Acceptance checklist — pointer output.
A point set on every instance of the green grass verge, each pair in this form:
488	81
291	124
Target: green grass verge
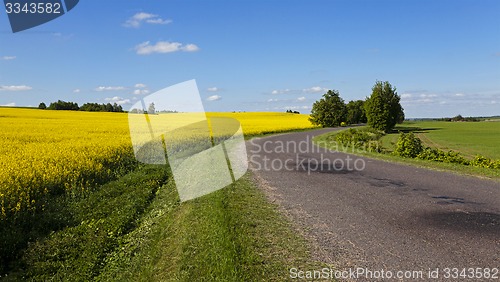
233	234
388	141
135	229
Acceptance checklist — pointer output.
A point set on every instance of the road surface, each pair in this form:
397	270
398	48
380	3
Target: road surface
377	215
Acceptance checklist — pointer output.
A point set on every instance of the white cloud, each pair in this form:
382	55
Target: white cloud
460	95
214	98
146	48
141	89
419	97
76	90
15	87
141	92
280	91
315	89
190	48
9	105
8	58
428	95
301	99
137	19
109	88
158	21
118	100
272	100
213	89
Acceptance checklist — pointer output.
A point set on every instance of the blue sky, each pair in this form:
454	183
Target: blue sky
442	56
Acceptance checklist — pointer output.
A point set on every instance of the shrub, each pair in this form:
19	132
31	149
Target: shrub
408	146
353	137
431	154
496	164
375	146
437	155
480	161
366	137
455	158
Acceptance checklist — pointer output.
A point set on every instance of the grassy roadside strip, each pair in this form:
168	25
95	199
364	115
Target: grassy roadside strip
328	140
135	229
233	234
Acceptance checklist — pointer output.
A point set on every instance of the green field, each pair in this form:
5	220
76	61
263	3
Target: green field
468	138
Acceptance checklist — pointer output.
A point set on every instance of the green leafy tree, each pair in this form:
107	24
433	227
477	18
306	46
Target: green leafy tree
42	106
383	109
330	111
356	112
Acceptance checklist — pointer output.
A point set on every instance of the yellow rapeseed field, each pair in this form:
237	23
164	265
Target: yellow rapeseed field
44	152
255	123
50	152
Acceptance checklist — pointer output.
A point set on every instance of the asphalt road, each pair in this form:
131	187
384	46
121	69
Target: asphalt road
365	213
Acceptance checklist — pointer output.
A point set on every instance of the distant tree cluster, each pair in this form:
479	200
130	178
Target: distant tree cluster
381	111
152	110
136	111
461	118
95	107
89	107
292	112
63	105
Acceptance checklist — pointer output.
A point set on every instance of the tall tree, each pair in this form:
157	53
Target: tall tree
329	111
383	109
356	112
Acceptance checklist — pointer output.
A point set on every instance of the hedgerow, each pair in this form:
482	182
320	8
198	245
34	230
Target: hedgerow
410	146
366	138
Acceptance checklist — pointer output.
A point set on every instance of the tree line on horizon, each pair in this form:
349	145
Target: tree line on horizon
88	107
381	110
